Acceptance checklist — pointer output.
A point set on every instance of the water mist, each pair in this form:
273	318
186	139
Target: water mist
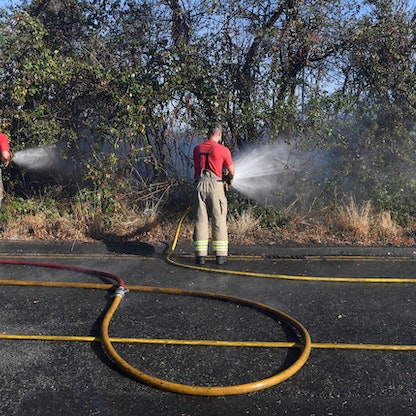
37	158
270	173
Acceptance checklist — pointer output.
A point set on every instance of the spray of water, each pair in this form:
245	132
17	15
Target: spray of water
38	158
268	172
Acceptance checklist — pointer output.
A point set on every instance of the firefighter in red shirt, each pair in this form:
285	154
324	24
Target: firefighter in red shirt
210	158
5	156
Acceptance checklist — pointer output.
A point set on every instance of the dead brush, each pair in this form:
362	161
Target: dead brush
355	219
362	224
386	230
85	220
44	226
244	225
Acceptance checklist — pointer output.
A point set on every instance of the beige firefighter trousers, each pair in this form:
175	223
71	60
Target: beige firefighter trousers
1	189
210	202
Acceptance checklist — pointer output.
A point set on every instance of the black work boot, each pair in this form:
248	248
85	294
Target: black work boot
200	260
221	260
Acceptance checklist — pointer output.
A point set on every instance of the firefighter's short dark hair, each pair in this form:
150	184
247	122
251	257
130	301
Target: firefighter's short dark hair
214	129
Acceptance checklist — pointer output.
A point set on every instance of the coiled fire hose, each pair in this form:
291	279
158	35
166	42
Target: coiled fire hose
119	294
120	291
209	390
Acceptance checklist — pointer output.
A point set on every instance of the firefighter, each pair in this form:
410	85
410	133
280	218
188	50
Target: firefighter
5	156
211	159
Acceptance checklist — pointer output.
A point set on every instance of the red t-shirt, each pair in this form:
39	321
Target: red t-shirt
213	156
4	143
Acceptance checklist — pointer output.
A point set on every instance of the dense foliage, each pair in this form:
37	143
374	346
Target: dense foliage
124	88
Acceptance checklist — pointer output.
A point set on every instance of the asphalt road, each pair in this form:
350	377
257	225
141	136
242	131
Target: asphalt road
77	378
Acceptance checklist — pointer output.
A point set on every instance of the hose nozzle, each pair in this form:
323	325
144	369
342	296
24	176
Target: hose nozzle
3	165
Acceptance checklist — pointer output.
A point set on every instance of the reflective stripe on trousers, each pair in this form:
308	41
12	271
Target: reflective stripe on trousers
210	202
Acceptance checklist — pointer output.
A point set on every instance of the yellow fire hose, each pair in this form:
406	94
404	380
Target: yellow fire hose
107	342
350	279
208	390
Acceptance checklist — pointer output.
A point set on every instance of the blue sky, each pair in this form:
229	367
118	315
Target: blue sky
5	3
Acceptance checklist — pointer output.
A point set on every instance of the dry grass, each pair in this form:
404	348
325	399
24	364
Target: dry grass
41	226
360	224
386	230
351	224
355	219
245	224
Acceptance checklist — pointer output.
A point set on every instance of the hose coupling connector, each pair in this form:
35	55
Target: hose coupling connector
121	292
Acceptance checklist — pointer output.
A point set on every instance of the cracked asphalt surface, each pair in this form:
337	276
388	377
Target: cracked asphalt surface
77	378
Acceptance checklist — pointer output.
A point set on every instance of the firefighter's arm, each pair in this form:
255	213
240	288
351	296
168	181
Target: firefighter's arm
229	177
5	157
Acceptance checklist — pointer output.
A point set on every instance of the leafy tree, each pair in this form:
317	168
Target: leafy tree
63	90
127	85
379	70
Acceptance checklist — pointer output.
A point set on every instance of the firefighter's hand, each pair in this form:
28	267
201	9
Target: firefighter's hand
3	165
228	179
5	158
